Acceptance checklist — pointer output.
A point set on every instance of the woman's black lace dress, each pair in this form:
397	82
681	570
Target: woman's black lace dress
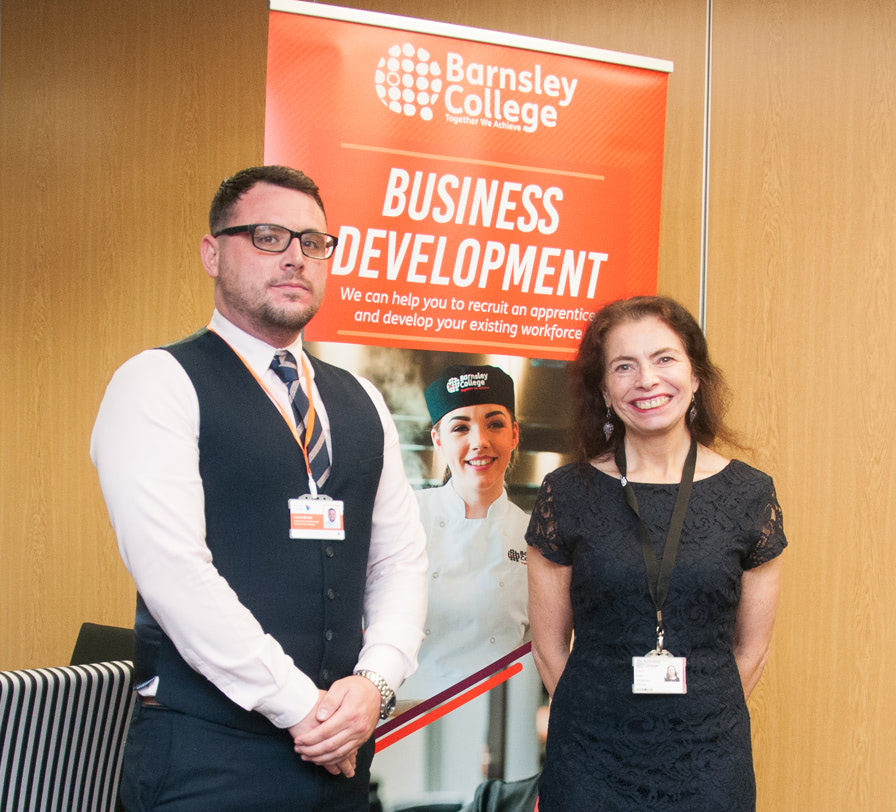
607	748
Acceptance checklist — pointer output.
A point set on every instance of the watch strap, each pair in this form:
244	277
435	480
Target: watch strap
387	695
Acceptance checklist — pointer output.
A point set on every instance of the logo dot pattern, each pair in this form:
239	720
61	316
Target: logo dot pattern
408	82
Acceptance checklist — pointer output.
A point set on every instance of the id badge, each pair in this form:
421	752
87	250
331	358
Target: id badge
316	517
659	674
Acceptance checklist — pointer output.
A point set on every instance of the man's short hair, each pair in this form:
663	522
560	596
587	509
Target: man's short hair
234	187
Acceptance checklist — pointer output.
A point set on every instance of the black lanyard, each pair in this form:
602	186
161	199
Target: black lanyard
659	574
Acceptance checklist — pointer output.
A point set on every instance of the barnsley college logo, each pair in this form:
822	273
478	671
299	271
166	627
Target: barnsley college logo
411	83
467	381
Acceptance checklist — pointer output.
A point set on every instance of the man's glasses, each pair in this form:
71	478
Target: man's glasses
276	239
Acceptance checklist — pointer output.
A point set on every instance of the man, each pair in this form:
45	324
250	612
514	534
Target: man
264	655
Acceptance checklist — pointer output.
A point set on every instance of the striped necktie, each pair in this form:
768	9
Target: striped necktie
285	368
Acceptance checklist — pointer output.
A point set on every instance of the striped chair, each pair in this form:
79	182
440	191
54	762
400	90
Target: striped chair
62	734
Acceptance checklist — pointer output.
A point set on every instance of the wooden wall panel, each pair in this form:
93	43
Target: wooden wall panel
802	261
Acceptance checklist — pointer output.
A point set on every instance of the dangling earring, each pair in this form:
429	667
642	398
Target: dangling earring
608	425
692	412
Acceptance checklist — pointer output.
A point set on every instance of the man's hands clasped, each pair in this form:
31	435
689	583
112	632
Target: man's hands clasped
338	725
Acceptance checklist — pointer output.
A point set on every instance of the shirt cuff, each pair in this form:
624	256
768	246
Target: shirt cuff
292	703
387	661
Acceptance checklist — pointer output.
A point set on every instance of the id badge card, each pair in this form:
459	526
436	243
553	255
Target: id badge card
659	674
316	517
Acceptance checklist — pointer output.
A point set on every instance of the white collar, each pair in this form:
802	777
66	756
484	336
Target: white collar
457	504
256	353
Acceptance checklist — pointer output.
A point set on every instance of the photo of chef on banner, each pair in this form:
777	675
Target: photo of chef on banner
478	600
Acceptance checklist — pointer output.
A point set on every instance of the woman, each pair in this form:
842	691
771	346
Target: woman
649	408
475	535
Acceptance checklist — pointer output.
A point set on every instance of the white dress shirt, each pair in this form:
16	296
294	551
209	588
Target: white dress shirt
145	448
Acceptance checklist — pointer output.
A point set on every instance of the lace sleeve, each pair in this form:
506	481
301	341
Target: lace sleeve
770	541
543	532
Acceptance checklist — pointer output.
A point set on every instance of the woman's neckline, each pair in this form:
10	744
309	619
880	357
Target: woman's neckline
706	478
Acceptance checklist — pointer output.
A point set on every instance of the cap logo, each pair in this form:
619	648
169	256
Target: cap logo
461	383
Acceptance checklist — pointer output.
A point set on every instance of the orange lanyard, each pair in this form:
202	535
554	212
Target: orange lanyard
309	422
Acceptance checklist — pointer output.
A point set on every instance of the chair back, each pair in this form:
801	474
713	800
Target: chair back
97	643
62	735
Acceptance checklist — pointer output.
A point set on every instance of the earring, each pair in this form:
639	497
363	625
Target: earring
608	425
692	412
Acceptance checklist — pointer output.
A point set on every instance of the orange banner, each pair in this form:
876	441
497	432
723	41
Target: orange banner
489	191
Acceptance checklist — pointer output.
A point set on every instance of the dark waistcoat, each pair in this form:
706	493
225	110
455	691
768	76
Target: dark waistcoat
307	594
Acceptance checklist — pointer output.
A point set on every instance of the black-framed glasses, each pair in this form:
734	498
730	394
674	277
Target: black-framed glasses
276	239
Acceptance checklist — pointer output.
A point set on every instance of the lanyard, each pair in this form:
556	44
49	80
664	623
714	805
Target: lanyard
309	421
659	574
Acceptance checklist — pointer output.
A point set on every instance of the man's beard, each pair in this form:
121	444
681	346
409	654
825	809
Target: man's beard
284	319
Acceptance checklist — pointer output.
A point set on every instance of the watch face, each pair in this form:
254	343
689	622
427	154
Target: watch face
388	707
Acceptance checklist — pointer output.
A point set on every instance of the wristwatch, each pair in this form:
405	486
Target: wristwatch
387	705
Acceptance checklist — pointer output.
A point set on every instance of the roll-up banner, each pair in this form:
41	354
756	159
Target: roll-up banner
489	191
